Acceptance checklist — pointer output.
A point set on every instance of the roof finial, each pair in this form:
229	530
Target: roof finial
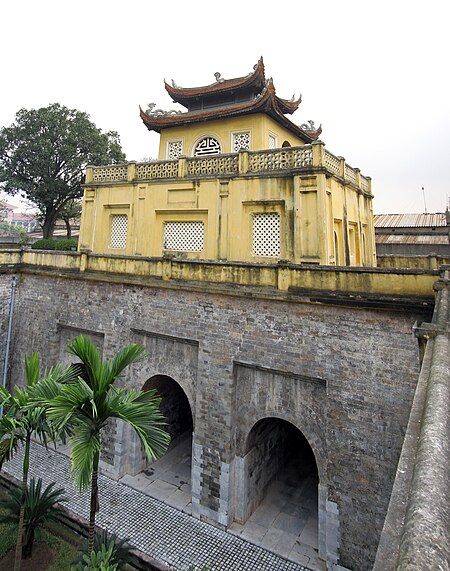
308	126
218	77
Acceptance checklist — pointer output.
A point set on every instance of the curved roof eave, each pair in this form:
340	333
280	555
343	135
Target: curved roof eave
267	103
183	94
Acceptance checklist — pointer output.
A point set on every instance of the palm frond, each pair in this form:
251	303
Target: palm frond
6	398
69	403
85	350
32	365
85	443
8	447
141	411
130	354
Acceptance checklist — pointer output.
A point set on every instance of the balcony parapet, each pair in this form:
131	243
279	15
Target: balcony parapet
368	287
271	161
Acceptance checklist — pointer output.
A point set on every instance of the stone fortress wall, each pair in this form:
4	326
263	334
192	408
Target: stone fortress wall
344	376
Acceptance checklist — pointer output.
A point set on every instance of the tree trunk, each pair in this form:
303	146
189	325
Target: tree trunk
26	463
68	228
49	223
94	503
28	547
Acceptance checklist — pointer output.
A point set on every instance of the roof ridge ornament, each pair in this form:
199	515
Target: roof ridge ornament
152	112
218	77
308	126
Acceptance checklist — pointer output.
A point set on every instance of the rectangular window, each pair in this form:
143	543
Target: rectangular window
174	150
119	228
267	235
272	142
184	236
241	142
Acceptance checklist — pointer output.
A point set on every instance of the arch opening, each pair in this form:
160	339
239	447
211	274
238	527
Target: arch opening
170	476
279	483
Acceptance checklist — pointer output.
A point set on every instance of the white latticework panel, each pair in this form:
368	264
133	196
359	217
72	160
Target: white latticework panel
174	149
241	142
119	227
184	236
207	146
272	142
266	235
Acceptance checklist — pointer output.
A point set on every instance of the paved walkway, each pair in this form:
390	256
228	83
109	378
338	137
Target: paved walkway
167	535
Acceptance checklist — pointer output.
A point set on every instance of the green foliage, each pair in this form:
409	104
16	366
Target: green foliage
105	543
51	244
87	405
40	507
98	561
64	549
8	532
18	231
44	154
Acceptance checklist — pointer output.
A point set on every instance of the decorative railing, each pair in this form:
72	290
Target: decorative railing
280	159
157	169
332	163
223	164
110	173
350	175
271	160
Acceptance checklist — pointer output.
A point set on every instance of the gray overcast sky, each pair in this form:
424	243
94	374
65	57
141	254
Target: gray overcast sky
374	73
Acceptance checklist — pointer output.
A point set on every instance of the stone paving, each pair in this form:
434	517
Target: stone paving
175	539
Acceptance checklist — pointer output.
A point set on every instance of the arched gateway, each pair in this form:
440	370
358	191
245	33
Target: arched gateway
170	477
279	481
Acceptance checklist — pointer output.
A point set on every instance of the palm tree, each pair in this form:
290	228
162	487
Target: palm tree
23	419
40	507
86	405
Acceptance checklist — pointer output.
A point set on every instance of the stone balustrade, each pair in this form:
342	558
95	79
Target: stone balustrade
294	159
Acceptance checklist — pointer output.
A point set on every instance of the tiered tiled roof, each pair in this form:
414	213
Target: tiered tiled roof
228	98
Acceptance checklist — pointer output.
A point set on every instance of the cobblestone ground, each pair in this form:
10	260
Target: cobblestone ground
169	536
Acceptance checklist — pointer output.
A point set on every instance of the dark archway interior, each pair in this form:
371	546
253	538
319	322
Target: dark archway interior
277	451
280	442
174	406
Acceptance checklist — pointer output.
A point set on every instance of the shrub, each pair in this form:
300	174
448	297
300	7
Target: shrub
50	244
108	551
40	507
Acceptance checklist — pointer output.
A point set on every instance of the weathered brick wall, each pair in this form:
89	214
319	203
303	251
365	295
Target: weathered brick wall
343	376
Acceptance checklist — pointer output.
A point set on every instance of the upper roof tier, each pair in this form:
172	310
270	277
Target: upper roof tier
228	98
254	81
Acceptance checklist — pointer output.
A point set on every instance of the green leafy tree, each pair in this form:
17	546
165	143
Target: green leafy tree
86	406
41	506
24	418
44	154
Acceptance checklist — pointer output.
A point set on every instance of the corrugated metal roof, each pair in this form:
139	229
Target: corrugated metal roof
412	239
410	220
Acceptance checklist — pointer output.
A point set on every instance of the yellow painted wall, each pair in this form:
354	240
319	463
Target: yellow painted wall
260	127
309	209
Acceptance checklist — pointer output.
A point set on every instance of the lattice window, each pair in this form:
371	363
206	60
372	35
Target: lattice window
184	236
241	142
119	227
207	146
174	150
272	142
266	235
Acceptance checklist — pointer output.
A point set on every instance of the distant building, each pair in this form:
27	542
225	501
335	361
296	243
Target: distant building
412	234
6	211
